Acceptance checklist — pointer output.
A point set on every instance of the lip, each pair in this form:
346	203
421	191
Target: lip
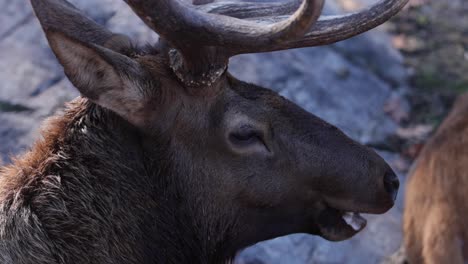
337	225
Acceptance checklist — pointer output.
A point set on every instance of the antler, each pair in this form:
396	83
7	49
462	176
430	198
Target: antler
248	10
184	26
327	30
205	41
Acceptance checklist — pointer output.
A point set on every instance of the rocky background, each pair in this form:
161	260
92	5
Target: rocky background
363	85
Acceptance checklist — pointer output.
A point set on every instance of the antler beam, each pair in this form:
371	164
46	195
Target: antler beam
327	30
246	10
205	36
184	26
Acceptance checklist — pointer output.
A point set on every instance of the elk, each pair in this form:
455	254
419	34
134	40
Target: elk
434	220
167	158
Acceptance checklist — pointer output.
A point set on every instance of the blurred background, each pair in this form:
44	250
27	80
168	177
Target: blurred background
389	88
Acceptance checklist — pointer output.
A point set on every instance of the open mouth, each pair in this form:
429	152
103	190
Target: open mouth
336	225
355	220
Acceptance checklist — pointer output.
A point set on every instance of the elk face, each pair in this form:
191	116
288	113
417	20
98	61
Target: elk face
238	151
281	169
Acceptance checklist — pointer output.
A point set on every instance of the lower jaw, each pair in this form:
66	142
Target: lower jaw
335	225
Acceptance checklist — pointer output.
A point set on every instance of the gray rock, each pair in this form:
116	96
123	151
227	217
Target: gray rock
24	72
14	15
325	83
126	22
347	84
13	134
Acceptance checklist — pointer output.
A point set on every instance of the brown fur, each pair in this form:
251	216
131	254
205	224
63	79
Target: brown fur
28	169
436	203
44	203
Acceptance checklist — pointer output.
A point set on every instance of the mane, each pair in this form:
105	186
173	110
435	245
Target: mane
28	168
64	195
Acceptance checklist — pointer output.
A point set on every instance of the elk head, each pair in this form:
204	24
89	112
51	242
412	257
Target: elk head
238	156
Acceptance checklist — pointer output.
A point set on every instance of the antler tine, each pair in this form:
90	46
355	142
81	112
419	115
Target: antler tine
327	30
183	26
246	10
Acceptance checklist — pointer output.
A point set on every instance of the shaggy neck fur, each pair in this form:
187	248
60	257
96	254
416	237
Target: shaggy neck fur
92	192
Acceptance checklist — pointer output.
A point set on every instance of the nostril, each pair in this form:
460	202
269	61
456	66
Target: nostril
391	183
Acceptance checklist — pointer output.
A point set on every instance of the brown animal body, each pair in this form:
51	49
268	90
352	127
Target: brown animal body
166	158
436	202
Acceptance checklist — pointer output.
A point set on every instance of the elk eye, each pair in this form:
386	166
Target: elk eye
245	137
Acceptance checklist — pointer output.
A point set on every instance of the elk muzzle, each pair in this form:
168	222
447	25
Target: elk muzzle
346	177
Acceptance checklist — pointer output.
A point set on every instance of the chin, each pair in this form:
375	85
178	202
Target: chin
336	225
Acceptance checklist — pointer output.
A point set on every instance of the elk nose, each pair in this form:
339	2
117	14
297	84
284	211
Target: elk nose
391	183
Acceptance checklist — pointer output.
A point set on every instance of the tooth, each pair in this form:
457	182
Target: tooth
353	220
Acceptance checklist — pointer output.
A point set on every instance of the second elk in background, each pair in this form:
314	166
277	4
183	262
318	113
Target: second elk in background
436	203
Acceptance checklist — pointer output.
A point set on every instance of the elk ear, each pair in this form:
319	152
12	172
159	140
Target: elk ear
89	55
106	77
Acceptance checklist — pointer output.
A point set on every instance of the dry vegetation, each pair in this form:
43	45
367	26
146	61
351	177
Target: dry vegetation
433	36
